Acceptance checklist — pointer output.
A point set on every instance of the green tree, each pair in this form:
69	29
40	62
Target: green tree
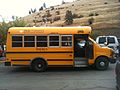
41	8
68	17
90	21
63	2
5	26
44	5
3	31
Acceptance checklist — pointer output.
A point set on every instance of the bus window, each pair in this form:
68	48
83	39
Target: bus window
54	41
29	41
41	41
66	40
16	41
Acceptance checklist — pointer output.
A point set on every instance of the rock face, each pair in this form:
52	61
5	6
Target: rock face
105	15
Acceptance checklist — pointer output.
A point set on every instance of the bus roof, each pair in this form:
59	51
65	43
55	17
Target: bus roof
49	30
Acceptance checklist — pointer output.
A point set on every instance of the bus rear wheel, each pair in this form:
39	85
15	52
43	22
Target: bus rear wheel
39	66
102	63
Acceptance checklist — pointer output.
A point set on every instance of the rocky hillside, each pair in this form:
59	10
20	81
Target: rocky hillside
105	15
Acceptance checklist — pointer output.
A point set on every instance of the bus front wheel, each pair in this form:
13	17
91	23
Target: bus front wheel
39	66
102	63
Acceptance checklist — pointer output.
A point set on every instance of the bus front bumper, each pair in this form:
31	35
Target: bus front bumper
112	60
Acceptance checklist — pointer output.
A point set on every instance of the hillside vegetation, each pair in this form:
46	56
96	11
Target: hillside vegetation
105	15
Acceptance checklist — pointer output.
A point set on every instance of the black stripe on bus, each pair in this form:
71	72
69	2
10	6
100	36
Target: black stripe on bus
20	60
60	65
19	65
41	52
48	65
59	60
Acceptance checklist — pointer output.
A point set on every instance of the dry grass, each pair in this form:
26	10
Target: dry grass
108	14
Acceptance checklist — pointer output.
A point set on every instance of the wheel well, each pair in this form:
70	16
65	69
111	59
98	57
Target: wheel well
40	59
101	56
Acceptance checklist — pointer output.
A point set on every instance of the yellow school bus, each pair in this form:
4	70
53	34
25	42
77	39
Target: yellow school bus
42	47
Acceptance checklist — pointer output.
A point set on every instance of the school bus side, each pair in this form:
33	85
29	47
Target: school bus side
57	48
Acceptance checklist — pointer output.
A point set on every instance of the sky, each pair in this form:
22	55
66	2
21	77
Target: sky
20	8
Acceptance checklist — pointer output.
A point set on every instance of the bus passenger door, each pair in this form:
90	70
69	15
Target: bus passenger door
80	46
90	49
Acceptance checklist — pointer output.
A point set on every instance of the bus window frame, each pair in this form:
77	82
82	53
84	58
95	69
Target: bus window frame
41	41
67	41
17	41
29	41
53	41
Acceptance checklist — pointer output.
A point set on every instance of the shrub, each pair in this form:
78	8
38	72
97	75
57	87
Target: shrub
91	14
57	12
80	16
96	14
105	3
52	7
41	8
48	15
5	26
68	17
77	16
90	21
63	2
57	18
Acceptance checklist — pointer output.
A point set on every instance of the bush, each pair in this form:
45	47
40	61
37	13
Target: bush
96	14
52	7
90	21
105	3
77	16
68	17
5	26
91	14
57	12
80	16
57	18
41	8
72	4
48	13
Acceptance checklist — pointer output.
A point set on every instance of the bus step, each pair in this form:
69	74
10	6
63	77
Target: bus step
80	62
80	65
80	59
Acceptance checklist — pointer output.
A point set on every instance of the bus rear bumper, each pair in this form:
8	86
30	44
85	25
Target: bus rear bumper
7	63
112	60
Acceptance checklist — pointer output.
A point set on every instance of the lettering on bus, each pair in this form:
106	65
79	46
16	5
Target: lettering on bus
80	31
42	49
34	31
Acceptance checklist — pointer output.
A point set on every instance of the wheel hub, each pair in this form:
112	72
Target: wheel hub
102	63
39	65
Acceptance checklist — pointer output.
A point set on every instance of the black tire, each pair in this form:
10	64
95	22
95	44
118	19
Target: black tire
102	63
117	88
39	66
